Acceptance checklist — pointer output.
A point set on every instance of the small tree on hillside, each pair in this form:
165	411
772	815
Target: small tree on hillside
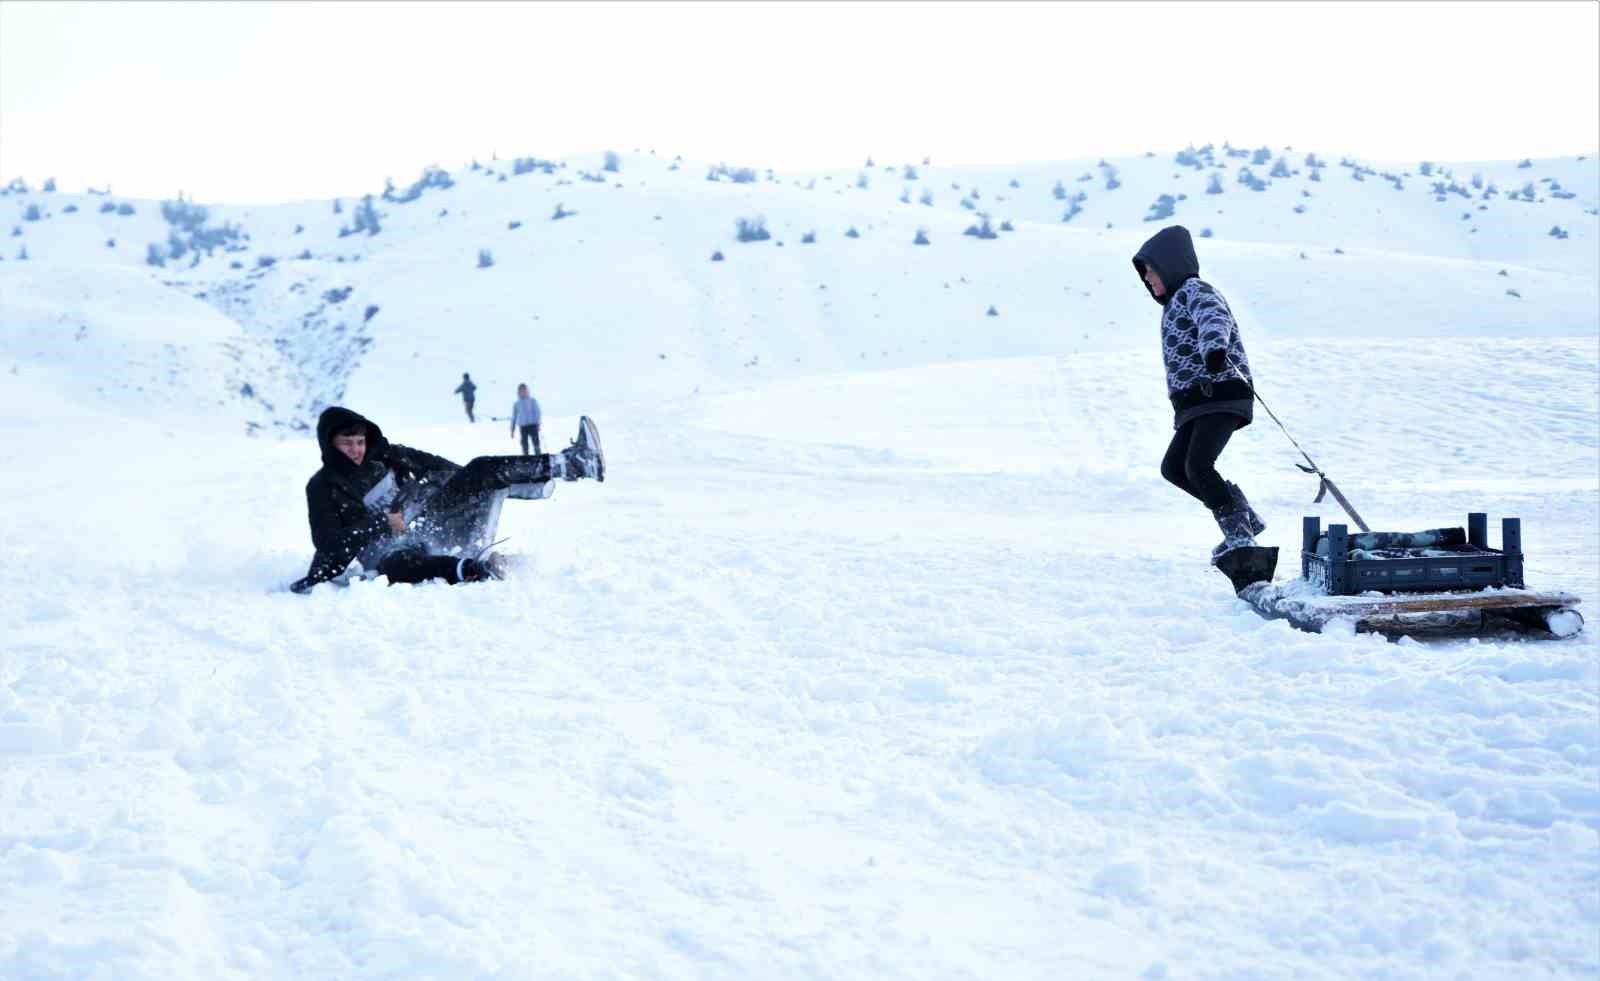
752	229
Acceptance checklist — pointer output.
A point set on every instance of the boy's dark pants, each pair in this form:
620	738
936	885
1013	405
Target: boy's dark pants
414	564
530	432
1191	460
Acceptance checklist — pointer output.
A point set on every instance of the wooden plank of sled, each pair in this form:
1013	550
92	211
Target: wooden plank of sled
1312	611
1431	602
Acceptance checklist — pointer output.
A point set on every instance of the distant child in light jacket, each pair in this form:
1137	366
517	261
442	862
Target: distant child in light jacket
1208	381
525	417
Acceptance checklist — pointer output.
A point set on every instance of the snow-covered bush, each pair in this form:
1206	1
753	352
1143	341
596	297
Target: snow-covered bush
154	255
22	254
1059	191
485	258
852	233
1525	164
1205	233
1015	182
366	219
613	162
752	229
862	181
265	262
922	237
909	173
1005	226
716	256
1162	208
981	230
70	209
738	175
905	195
1214	184
1190	157
809	238
184	215
1074	206
49	185
1250	180
31	213
1316	175
927	197
561	212
107	207
431	177
1556	231
527	165
1280	168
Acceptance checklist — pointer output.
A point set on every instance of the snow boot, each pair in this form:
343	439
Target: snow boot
584	457
1235	525
1237	500
483	566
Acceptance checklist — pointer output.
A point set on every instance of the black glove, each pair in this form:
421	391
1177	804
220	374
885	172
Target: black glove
1216	360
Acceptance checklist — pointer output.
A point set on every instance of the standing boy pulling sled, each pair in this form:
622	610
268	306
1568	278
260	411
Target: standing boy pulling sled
1209	383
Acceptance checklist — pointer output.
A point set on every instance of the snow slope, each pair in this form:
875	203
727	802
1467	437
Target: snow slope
896	661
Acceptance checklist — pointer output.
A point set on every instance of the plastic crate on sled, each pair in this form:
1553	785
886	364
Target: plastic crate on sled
1441	559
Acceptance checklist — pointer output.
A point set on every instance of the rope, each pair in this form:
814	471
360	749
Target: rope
1327	486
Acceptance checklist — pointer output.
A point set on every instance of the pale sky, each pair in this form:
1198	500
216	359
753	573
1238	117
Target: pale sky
261	102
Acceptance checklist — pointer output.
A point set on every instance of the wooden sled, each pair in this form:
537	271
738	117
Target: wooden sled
1307	608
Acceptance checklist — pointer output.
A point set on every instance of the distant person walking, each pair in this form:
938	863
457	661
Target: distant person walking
468	392
525	417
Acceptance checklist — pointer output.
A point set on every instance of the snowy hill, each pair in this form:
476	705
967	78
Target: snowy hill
884	651
621	295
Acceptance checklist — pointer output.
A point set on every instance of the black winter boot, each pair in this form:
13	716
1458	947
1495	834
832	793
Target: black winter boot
584	457
1235	525
1237	500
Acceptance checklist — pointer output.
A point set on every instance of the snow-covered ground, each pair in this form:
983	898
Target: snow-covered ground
898	660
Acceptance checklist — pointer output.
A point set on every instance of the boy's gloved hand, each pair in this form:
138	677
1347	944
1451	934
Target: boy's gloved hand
1216	360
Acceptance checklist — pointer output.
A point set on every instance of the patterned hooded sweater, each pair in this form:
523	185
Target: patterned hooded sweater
1195	321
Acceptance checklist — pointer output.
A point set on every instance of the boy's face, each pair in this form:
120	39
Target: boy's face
354	447
522	390
1154	280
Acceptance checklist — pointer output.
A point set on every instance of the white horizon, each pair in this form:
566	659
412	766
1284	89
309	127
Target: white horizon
272	103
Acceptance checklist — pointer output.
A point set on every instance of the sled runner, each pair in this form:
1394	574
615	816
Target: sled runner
1445	580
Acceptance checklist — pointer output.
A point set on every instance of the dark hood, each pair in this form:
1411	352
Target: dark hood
1171	253
335	418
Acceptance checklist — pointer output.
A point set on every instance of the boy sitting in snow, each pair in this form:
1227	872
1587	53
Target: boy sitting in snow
1208	381
412	516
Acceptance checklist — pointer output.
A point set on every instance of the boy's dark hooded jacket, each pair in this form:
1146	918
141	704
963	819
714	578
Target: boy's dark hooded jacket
1196	326
342	526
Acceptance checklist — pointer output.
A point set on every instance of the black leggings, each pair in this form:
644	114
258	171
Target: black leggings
1191	460
530	433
